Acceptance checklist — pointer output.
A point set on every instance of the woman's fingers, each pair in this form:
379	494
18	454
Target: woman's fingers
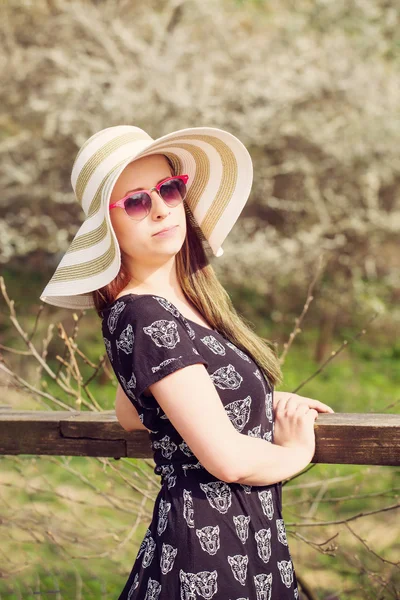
319	406
302	409
314	413
288	403
292	404
281	406
312	403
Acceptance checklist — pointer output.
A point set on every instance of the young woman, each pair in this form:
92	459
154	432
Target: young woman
190	370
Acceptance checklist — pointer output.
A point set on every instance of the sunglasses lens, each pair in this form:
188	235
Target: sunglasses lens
137	206
173	191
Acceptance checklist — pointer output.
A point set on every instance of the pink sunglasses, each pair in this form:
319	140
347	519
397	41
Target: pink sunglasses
137	204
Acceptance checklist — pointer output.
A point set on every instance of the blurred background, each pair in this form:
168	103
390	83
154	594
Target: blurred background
312	88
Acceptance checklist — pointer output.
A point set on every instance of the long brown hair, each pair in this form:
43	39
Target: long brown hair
201	287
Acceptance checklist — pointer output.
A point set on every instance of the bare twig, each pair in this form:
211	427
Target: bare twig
364	543
334	353
330	550
299	319
352	518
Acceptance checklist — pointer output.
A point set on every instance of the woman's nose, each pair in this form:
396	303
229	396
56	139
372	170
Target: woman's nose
158	205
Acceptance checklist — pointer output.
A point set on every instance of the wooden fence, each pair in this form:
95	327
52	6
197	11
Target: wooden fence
341	438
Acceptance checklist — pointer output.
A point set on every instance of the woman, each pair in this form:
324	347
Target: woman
190	370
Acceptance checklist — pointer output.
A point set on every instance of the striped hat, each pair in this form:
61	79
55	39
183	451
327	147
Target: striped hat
220	177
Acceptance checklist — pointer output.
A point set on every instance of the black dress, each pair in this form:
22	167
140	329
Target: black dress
207	538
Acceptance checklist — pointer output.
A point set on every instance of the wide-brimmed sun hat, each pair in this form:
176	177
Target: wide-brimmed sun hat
220	178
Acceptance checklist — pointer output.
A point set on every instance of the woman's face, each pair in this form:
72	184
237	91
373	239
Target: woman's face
136	238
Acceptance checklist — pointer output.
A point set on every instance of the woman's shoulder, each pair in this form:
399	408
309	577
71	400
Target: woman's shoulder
137	308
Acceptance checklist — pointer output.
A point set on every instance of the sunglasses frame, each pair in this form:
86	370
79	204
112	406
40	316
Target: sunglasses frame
121	203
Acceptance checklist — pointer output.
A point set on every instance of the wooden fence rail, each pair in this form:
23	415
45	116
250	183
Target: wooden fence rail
341	438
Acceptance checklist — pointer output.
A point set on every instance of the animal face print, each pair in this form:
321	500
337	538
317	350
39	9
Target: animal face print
148	551
241	523
239	412
263	583
203	583
263	539
167	305
107	344
188	585
268	406
206	583
266	503
280	525
153	590
246	487
166	472
167	446
218	494
132	382
163	363
125	340
144	543
238	564
258	374
286	571
171	481
255	432
163	510
238	352
213	344
114	314
188	466
168	555
209	538
128	386
227	378
188	508
163	333
185	449
133	586
190	330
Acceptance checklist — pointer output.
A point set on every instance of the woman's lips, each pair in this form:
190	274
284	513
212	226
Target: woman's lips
166	233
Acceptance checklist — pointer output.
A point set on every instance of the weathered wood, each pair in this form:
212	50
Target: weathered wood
341	438
357	439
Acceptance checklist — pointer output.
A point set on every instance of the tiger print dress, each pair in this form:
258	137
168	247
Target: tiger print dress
208	538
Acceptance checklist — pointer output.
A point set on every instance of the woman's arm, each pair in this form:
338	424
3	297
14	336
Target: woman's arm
126	413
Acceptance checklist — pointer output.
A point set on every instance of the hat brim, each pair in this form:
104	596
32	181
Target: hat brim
220	177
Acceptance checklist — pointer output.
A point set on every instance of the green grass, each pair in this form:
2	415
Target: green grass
359	379
63	582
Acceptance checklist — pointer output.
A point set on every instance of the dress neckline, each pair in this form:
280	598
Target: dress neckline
186	318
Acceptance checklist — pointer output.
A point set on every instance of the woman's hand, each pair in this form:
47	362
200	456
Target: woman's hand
294	425
296	399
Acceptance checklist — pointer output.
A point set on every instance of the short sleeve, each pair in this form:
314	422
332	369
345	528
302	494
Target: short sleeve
146	338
